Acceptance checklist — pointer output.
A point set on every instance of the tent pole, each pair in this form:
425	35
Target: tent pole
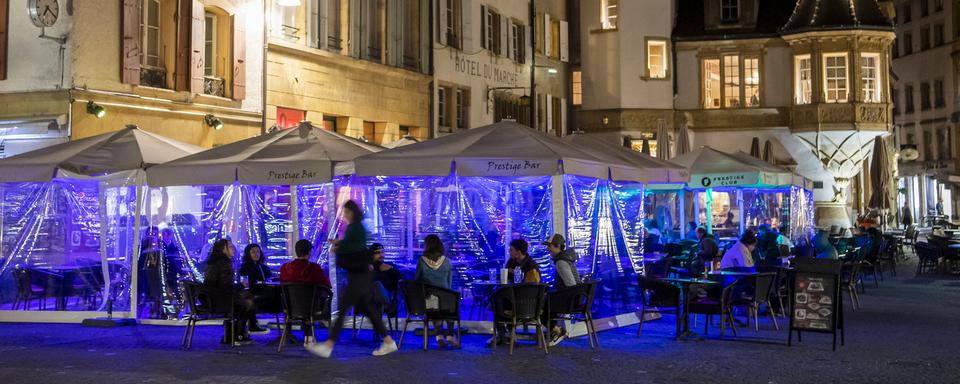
331	214
104	258
743	221
559	208
709	214
508	225
294	219
136	247
683	216
410	224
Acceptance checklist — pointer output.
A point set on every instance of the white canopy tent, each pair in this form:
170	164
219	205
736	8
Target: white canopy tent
644	168
73	212
404	141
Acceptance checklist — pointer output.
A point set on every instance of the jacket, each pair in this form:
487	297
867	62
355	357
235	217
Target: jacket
438	273
218	274
303	271
565	263
708	248
255	272
737	256
529	268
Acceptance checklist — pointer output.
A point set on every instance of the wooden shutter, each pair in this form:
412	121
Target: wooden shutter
483	27
196	47
317	24
354	39
564	42
442	21
538	33
466	25
548	114
239	58
4	24
504	33
130	42
564	126
509	38
547	38
181	70
394	33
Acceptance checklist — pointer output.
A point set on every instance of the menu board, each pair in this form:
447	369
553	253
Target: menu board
814	302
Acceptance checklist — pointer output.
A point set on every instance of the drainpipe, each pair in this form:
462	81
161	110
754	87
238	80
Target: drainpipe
263	68
533	65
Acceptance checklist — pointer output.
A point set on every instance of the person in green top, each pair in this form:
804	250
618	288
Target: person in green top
352	255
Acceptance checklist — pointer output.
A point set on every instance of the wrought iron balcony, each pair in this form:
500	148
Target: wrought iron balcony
213	86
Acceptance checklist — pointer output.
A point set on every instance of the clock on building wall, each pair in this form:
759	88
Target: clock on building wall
43	13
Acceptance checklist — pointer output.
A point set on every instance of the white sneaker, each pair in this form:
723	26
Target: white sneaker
452	342
308	341
385	349
320	350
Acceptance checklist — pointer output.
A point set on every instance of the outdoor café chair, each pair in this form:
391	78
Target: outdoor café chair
928	257
27	290
848	279
520	304
387	307
574	303
302	303
204	304
658	296
716	303
415	298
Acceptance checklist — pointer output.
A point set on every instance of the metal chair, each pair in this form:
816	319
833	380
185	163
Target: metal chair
716	303
520	304
205	304
663	296
575	304
415	296
302	303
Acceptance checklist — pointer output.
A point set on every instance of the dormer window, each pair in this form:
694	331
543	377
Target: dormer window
729	11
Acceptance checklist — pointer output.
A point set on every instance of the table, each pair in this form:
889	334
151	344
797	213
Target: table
732	273
684	287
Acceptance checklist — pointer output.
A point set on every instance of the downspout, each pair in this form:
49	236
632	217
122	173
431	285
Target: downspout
533	66
432	72
263	69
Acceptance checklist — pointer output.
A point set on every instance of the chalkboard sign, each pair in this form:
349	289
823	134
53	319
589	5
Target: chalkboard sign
815	300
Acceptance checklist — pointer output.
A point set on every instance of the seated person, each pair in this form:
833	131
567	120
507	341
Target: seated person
218	280
822	247
387	275
740	254
691	231
707	251
784	238
254	266
767	248
301	270
519	258
435	269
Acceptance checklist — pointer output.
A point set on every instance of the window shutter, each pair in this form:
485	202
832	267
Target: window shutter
483	27
130	57
564	41
355	14
239	58
538	33
563	117
181	71
547	40
442	21
509	46
523	45
549	113
504	41
318	23
4	24
196	60
393	33
466	25
426	42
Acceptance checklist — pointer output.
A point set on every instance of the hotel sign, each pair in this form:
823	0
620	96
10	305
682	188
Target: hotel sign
501	74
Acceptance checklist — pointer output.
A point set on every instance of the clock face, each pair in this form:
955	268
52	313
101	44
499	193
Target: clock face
43	13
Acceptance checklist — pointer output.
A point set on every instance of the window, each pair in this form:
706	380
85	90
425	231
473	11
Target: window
285	21
924	7
835	79
608	14
518	42
938	99
907	43
451	28
332	16
908	99
210	45
731	81
925	96
907	12
491	31
711	83
896	102
943	143
150	34
729	11
410	18
371	30
577	88
657	59
751	81
803	79
463	105
924	37
938	5
937	35
869	77
442	113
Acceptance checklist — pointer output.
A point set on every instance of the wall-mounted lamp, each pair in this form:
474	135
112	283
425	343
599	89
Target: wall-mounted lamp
550	70
213	122
96	109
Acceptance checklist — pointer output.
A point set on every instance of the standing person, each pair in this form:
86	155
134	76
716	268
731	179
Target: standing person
353	256
519	258
218	278
740	254
435	269
906	216
565	264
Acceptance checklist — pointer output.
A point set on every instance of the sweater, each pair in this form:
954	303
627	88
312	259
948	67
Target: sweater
354	240
565	263
737	256
303	271
438	273
255	272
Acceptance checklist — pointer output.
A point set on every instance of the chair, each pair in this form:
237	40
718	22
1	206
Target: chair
889	254
764	283
27	290
415	298
574	303
388	307
928	257
716	303
90	286
665	297
779	288
520	304
268	299
206	304
302	303
848	280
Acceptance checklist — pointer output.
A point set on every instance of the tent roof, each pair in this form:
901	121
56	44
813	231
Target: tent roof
277	158
784	176
502	149
710	168
128	149
404	141
644	168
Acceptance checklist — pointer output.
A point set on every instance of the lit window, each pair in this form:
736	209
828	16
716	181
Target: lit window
150	33
729	10
210	45
869	77
804	84
751	81
657	59
835	80
608	14
577	88
285	21
731	81
711	83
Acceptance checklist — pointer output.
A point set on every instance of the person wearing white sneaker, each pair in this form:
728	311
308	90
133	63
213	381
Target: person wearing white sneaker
353	256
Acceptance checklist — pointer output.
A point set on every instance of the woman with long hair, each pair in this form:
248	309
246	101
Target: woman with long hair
435	269
254	265
353	256
218	279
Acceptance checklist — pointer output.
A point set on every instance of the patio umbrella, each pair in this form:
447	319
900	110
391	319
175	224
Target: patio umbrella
406	140
768	152
880	176
645	148
683	141
755	147
663	140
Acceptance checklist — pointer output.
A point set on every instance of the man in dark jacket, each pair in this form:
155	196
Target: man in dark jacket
565	264
767	248
708	249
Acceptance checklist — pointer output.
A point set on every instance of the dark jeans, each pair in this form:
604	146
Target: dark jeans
358	295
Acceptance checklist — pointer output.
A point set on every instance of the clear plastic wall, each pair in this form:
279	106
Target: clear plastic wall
766	206
724	210
66	245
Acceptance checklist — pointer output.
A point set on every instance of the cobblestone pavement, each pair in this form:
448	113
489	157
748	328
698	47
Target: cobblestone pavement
907	332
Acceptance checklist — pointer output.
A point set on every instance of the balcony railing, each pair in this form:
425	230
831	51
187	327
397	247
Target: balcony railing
213	86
